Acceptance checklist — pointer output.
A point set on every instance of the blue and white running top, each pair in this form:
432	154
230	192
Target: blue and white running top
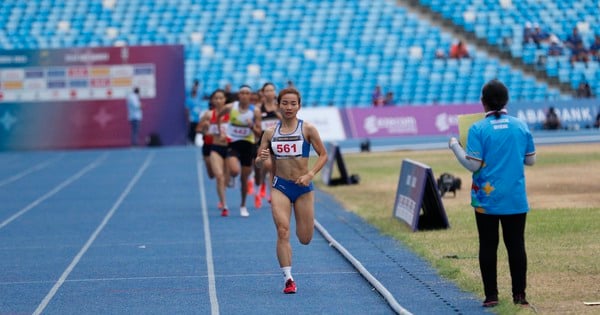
291	145
502	145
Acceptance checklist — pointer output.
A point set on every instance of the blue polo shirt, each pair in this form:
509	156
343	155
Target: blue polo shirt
502	144
194	107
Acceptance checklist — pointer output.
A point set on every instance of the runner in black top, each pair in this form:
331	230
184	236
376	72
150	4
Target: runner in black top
270	117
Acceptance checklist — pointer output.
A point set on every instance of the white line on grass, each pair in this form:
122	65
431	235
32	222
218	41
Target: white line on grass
210	268
30	170
93	237
58	188
363	271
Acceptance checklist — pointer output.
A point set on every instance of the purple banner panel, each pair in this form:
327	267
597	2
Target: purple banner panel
442	120
406	121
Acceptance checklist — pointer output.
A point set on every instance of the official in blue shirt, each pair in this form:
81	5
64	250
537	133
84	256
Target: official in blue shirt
498	147
193	105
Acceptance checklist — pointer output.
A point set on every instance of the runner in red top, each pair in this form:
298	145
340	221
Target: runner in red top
216	135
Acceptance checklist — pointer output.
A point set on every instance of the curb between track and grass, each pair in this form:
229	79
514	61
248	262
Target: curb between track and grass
363	271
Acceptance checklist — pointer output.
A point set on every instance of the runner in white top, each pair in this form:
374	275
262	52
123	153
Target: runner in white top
244	123
287	146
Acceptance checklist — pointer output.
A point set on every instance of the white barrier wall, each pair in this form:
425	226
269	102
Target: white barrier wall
327	120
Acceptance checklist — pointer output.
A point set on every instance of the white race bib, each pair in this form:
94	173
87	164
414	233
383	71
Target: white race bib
287	148
239	132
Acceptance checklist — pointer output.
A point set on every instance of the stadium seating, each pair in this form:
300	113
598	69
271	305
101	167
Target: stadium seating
495	20
335	51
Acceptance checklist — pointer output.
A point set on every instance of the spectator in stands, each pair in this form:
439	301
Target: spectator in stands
555	48
540	36
459	50
597	122
134	114
595	48
552	121
528	33
579	53
573	39
377	97
583	90
389	99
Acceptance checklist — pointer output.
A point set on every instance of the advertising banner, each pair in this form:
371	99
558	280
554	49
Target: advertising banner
327	120
75	98
443	119
573	114
405	121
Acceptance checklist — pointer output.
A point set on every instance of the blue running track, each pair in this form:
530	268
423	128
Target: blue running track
137	231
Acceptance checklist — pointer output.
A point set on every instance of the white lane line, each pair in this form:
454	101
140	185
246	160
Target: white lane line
93	237
210	268
239	275
58	188
363	271
30	170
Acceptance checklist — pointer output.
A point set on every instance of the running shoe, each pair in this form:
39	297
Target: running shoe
250	186
231	182
257	201
290	287
224	212
244	212
490	301
519	299
263	190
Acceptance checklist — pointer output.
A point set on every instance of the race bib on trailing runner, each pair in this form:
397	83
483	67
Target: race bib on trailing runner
213	129
240	123
239	132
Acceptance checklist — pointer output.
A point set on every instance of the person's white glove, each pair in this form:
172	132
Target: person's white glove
199	140
453	142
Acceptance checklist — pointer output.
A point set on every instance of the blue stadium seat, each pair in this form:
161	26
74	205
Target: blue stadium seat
327	47
482	19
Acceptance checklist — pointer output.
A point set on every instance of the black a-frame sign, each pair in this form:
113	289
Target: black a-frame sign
417	190
335	155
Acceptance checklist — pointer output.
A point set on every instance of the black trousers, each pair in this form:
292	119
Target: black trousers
513	231
192	131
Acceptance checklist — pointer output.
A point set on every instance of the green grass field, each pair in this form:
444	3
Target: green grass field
563	242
